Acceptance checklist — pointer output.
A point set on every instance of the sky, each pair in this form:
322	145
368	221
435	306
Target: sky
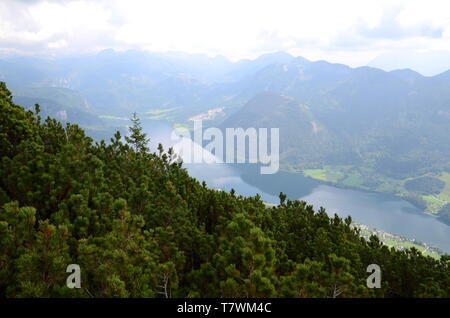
353	32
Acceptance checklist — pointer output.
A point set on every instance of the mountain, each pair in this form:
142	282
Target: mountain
361	127
137	225
66	105
394	122
407	75
302	136
372	113
377	129
120	83
245	68
428	63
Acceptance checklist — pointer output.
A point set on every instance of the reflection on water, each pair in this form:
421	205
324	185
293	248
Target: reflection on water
382	211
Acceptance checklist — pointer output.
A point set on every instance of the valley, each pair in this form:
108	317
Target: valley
356	128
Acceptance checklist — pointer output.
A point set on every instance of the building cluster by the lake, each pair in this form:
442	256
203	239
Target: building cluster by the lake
396	241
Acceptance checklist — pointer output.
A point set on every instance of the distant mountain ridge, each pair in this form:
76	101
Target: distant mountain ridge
365	114
361	106
119	83
430	63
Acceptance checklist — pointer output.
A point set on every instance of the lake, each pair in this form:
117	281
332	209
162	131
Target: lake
382	211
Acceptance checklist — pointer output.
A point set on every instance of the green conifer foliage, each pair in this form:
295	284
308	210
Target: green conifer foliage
139	226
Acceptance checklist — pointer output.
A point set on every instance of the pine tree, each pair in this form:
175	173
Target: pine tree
282	197
137	138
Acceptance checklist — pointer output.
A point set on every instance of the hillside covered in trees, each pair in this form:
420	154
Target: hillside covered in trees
139	226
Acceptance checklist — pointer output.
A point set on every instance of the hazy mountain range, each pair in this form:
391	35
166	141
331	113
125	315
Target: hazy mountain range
430	63
375	127
356	112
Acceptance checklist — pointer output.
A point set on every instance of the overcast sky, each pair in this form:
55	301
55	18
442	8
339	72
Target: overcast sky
350	32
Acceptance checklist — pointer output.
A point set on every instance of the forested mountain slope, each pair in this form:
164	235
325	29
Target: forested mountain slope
139	226
364	128
393	122
65	105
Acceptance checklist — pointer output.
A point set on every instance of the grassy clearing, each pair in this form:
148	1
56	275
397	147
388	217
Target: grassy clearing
319	174
161	111
185	126
353	180
345	175
445	193
337	173
433	202
159	117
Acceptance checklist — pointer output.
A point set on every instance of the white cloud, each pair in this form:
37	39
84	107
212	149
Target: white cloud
350	31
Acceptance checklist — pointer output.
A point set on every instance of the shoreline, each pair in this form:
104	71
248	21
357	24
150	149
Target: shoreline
437	250
399	242
347	187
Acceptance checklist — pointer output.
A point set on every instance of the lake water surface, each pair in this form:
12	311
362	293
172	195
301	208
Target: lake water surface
382	211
